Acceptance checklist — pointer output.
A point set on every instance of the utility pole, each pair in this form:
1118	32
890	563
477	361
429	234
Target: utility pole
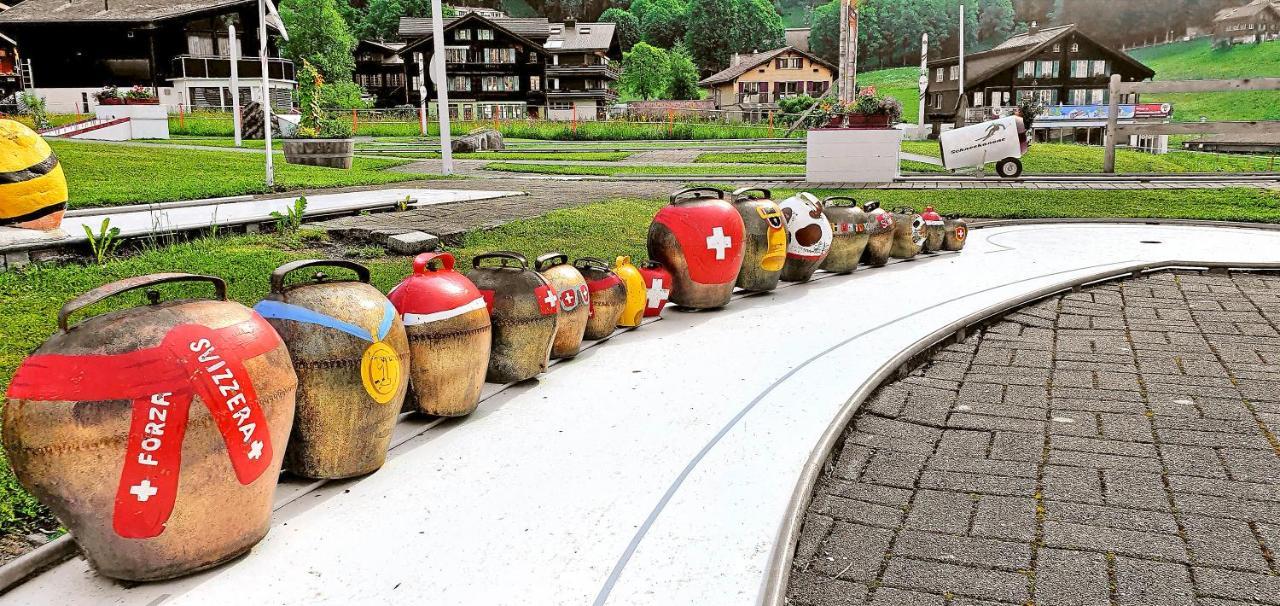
924	75
848	81
235	81
442	87
962	53
266	91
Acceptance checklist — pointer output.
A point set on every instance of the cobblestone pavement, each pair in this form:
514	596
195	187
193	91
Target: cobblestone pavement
1115	446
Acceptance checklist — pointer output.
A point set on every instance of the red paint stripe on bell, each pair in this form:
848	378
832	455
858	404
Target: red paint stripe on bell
604	283
192	359
487	295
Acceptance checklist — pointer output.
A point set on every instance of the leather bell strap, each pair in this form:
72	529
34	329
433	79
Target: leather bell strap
161	381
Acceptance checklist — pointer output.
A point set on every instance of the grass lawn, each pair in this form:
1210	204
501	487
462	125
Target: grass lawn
1057	158
1199	60
30	297
903	83
694	170
101	174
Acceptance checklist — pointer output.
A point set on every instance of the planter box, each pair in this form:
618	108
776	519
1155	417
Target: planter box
853	155
330	153
861	121
141	101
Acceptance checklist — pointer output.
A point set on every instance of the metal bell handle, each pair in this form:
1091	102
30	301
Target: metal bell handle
678	196
592	263
651	264
741	193
422	263
128	284
870	206
905	210
504	256
277	276
829	199
550	259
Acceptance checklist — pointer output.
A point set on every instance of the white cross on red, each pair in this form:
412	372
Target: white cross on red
143	491
255	450
719	242
657	294
550	299
569	299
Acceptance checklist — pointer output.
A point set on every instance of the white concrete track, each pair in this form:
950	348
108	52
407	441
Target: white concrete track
654	469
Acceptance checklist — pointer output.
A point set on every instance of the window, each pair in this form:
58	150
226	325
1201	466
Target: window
533	58
790	88
498	55
940	75
1079	69
1047	69
484	34
1100	67
560	105
462	34
1027	69
937	101
955	72
200	45
977	99
455	54
459	83
1057	48
790	63
1098	96
535	82
500	83
395	79
553	83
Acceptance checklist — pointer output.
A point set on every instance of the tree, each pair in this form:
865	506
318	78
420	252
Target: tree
628	27
380	19
684	75
710	31
757	26
663	23
646	71
824	32
318	33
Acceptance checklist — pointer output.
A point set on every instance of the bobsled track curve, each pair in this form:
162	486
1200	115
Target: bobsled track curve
670	465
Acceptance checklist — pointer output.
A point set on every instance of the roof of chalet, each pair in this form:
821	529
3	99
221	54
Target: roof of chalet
108	11
1248	10
412	28
498	24
580	37
981	66
747	63
390	47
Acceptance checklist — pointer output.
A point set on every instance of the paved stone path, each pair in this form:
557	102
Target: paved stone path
1116	446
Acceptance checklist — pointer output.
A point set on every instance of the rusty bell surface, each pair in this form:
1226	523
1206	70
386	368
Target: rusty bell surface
935	229
523	308
957	232
351	352
699	239
575	302
881	231
637	293
765	239
447	323
810	237
608	297
155	434
909	233
850	236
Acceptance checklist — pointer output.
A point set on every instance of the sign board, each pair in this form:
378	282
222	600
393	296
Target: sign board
983	143
1088	113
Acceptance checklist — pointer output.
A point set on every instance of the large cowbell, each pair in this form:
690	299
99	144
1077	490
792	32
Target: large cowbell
810	237
449	332
909	233
351	352
575	302
698	238
524	308
155	434
935	230
765	240
957	233
849	229
608	297
881	231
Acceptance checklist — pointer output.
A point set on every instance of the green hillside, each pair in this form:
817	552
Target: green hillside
1198	60
900	82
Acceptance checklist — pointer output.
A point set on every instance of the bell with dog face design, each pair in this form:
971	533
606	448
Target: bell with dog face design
765	239
699	239
810	237
850	236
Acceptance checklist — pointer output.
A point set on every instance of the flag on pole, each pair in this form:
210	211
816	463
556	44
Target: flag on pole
273	19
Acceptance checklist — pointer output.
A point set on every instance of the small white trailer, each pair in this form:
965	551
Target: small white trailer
1001	141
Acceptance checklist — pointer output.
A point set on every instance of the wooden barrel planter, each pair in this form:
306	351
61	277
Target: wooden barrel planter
330	153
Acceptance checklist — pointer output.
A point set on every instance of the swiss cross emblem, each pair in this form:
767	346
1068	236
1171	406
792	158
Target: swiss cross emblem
962	232
657	295
719	242
884	221
569	300
548	300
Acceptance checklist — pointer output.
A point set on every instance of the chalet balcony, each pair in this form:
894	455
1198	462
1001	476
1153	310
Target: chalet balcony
596	70
192	66
605	94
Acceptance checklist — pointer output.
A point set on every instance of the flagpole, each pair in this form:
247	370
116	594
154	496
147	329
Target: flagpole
266	92
442	87
235	81
924	75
